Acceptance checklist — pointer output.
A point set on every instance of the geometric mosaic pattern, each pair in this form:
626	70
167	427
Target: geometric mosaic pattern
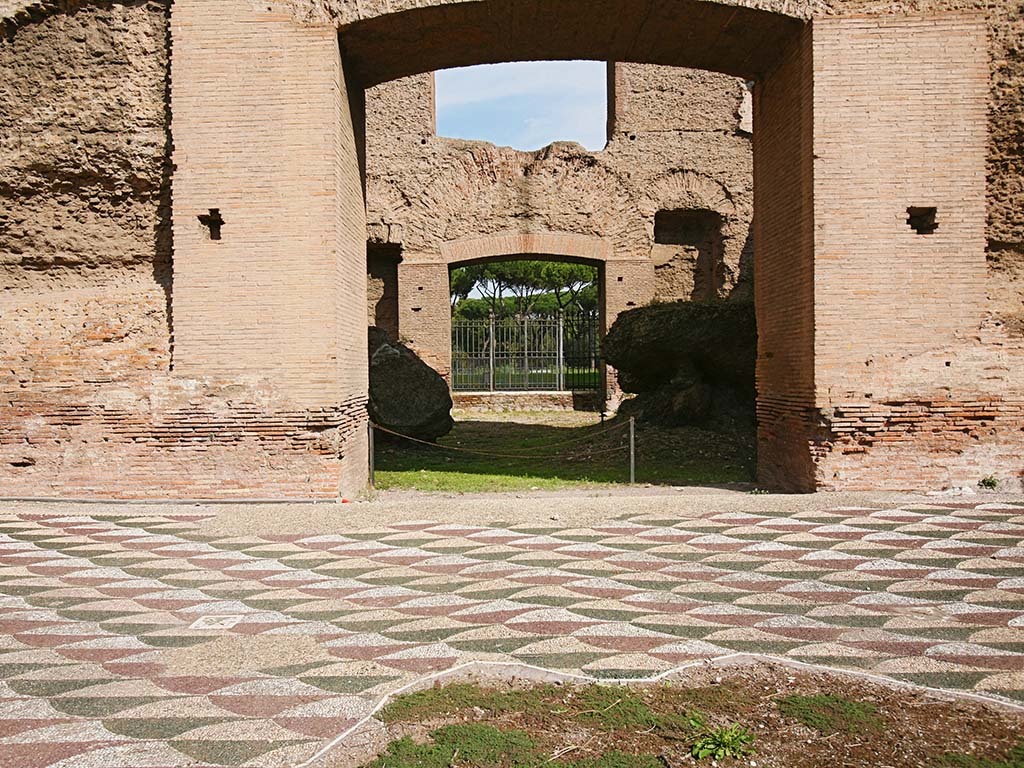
137	640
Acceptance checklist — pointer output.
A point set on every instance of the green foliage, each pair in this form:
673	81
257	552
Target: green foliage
1014	759
722	742
681	456
829	714
617	709
469	743
989	483
433	702
522	287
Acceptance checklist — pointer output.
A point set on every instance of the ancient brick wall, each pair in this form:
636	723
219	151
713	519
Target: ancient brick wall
924	381
442	202
92	397
94	328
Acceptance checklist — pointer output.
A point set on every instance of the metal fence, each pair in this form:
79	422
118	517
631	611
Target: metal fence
526	354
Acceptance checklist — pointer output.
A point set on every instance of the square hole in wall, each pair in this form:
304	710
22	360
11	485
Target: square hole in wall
923	220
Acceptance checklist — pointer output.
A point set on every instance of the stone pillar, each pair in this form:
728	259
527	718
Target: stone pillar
269	295
624	285
784	270
424	312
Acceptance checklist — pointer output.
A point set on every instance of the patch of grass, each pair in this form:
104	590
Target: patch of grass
458	697
469	744
603	708
538	456
1014	759
725	741
483	746
989	483
619	709
830	714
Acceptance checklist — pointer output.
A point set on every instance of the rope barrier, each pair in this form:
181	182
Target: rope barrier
511	455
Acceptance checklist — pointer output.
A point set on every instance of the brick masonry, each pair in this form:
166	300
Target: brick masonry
238	368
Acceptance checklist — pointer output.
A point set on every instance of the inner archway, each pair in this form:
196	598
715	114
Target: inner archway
826	224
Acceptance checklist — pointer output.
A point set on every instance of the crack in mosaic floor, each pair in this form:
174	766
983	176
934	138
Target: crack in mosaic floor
109	657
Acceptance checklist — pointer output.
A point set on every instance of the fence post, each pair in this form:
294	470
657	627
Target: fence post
526	352
561	352
373	470
632	450
490	345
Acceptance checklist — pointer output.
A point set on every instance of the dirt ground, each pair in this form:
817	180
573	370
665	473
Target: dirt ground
861	723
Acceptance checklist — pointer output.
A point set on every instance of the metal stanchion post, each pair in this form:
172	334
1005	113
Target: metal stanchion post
632	450
373	479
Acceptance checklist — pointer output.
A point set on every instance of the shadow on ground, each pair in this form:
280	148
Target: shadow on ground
484	455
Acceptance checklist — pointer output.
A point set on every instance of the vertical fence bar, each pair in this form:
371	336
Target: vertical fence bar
561	352
490	347
526	353
373	468
632	450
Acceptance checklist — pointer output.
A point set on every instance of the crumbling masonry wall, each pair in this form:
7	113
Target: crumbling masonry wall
108	387
678	143
104	390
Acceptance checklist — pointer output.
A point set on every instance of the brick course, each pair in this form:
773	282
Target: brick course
881	362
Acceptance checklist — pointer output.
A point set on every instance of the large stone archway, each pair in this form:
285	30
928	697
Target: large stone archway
625	281
877	366
842	150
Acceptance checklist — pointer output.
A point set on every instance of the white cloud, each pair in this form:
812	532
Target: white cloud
527	105
488	82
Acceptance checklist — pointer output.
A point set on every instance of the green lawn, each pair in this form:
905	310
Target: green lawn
560	455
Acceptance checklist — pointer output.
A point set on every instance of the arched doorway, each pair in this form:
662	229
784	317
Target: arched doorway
834	179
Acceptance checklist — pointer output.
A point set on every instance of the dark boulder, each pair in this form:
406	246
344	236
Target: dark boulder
406	394
688	362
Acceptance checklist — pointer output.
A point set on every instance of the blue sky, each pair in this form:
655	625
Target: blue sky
526	105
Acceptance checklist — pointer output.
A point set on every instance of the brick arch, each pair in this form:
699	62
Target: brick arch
684	188
515	191
553	246
728	37
830	235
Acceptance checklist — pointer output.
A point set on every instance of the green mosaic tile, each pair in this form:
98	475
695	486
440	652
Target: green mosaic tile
101	706
160	727
778	647
57	602
97	615
229	752
443	588
49	688
341	572
551	601
408	543
423	635
558	660
689	631
173	641
363	626
607	614
294	670
276	604
346	684
503	645
961	680
15	669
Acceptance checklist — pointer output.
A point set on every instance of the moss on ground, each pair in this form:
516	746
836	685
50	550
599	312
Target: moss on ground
830	714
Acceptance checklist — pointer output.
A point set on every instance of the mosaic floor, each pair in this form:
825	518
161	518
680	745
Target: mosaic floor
138	640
